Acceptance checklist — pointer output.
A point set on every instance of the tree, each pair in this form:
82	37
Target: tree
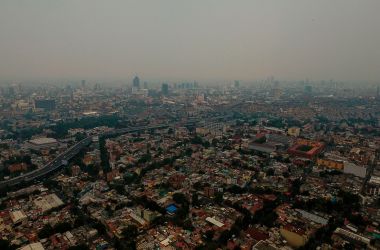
235	189
198	186
225	236
62	227
187	225
209	235
270	172
188	152
195	199
45	232
5	244
49	183
196	140
296	185
218	197
109	210
180	198
145	158
130	232
214	142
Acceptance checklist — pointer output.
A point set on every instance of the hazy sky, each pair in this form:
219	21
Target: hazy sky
193	39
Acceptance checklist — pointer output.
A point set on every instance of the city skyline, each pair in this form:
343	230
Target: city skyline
193	125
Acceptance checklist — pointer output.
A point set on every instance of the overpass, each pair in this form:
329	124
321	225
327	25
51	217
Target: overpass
63	158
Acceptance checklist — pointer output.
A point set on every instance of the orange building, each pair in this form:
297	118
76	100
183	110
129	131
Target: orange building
17	167
330	163
306	148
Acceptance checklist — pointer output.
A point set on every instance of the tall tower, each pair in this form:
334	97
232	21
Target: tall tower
237	84
135	85
165	89
136	82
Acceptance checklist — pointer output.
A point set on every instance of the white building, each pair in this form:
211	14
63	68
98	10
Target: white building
42	143
33	246
18	216
351	168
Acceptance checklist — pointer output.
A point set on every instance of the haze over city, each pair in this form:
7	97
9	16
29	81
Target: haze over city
190	40
189	125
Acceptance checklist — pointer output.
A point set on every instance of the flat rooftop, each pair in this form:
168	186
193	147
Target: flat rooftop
43	140
48	202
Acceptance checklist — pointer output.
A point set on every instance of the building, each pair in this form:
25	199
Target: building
149	215
306	149
277	93
294	131
352	237
165	89
214	222
236	84
171	209
308	89
17	167
373	186
46	104
312	217
136	83
33	246
42	143
294	235
75	170
351	168
209	191
264	245
18	217
330	163
137	218
177	180
48	202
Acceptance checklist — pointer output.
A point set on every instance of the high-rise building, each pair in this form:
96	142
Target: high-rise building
236	84
165	89
308	89
136	82
277	93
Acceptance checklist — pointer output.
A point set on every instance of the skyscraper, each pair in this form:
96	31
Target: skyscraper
136	82
236	84
165	89
308	89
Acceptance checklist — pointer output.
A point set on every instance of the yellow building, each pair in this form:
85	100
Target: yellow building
149	215
296	237
294	131
330	163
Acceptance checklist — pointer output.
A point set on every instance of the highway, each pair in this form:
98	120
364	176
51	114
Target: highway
64	157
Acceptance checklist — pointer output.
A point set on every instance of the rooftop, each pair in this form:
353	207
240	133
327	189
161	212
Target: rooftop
43	140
